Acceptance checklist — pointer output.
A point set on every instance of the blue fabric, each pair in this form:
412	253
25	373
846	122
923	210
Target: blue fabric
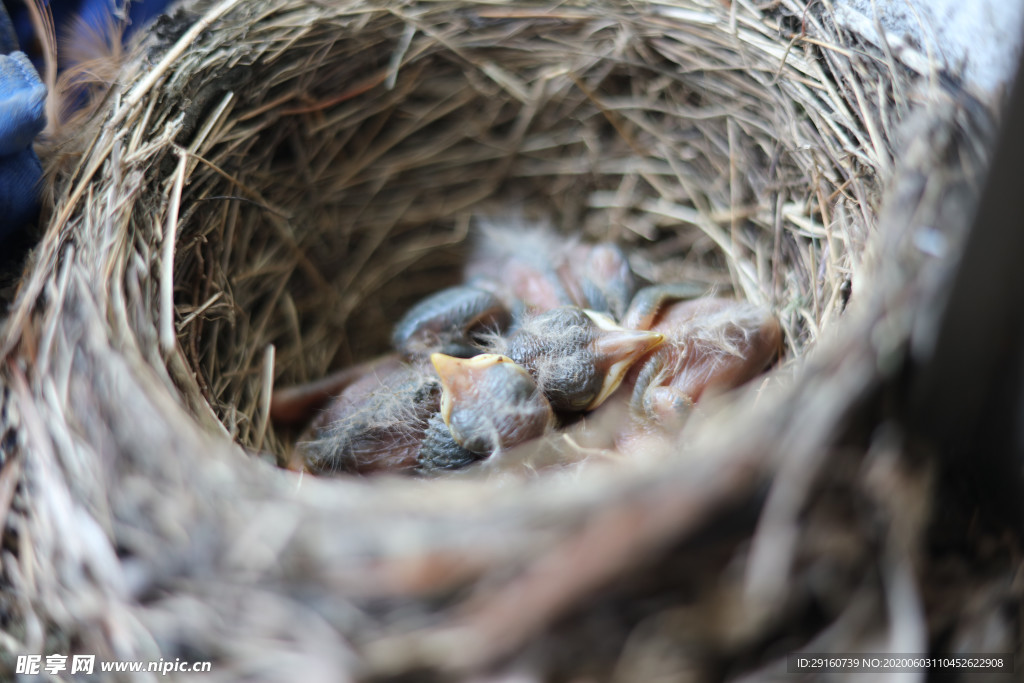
96	12
22	116
22	103
23	98
19	191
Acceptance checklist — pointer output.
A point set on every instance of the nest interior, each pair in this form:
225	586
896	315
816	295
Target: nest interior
338	161
271	183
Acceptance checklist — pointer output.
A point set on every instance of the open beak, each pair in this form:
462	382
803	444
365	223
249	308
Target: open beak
461	377
490	403
617	350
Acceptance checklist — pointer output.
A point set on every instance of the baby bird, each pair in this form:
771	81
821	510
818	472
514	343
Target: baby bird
599	278
534	269
712	344
447	320
578	357
375	424
489	403
295	406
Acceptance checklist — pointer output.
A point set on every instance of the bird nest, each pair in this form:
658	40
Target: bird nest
270	184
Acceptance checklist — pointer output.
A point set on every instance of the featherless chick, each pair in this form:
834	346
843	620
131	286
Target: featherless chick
447	322
578	357
489	404
391	416
375	418
712	344
534	269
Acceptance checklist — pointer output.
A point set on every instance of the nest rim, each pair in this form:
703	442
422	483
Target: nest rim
149	237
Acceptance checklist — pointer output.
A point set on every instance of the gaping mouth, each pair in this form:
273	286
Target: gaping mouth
617	350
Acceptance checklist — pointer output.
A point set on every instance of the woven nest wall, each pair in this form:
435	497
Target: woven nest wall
269	184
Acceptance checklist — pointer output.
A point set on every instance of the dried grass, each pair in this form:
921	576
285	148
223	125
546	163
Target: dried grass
265	188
